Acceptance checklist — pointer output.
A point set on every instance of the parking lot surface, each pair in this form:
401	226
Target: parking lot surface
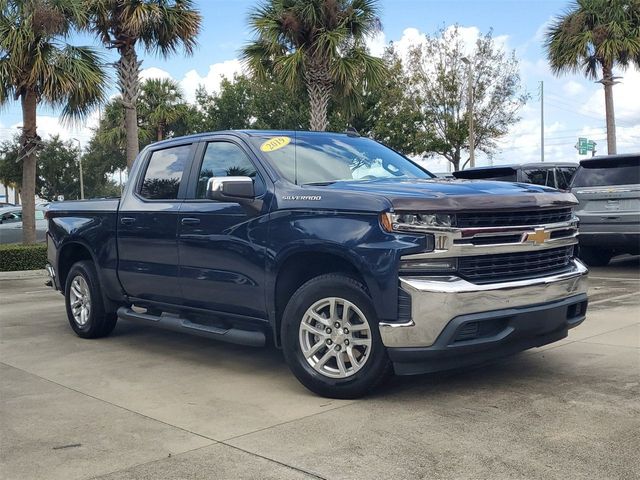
148	404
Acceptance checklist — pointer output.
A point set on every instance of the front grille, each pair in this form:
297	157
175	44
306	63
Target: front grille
515	266
508	219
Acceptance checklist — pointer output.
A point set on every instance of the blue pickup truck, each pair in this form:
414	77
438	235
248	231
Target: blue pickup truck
352	259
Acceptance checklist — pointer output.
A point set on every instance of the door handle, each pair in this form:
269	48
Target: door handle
190	221
127	220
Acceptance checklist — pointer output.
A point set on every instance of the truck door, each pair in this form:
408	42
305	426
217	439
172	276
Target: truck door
148	226
222	245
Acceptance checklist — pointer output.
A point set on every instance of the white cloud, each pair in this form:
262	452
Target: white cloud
377	44
153	72
192	79
211	81
626	100
48	126
573	88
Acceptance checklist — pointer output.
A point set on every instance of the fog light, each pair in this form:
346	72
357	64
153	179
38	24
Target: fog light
428	265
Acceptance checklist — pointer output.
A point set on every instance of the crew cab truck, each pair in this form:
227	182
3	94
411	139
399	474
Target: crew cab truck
342	252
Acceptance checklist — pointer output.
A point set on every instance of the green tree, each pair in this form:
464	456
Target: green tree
390	113
58	170
318	45
596	36
251	102
229	108
37	66
160	26
161	104
439	83
11	166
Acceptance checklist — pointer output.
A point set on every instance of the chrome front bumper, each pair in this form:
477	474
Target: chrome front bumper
435	301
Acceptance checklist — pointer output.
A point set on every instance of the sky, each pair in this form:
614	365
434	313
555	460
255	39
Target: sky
573	105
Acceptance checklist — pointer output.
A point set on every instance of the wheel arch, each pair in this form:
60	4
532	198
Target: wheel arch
298	267
70	253
75	251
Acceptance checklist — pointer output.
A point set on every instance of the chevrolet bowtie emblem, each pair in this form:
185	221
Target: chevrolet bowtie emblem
539	236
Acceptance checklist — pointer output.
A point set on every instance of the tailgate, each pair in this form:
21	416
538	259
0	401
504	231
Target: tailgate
618	204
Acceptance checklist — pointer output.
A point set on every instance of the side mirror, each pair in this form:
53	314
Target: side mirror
230	189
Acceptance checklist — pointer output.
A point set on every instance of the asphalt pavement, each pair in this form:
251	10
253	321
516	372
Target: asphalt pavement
150	404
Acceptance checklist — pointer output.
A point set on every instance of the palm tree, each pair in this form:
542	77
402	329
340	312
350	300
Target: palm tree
593	36
318	45
159	26
161	104
37	66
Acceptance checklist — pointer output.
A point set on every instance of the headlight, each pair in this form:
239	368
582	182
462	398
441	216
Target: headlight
414	222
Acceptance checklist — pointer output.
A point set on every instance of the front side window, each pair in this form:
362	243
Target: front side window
223	159
164	173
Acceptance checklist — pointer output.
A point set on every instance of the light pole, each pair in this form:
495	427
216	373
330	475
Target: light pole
472	137
80	164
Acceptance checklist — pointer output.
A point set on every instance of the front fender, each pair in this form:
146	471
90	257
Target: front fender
357	237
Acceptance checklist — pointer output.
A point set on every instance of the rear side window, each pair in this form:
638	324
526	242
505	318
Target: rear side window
537	176
223	159
564	176
164	173
627	173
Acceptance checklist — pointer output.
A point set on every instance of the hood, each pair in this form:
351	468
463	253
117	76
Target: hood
459	195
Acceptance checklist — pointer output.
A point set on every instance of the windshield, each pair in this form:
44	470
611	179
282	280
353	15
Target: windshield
627	173
323	158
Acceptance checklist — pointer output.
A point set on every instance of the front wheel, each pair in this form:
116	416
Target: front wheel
330	338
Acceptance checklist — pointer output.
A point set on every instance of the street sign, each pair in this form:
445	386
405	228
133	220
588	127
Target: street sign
585	145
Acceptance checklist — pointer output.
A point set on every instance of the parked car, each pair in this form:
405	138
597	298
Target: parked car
11	224
345	254
608	189
552	174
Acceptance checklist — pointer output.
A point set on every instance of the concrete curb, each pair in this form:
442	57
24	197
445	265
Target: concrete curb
20	274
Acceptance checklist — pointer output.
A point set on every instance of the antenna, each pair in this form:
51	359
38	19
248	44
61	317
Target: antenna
295	157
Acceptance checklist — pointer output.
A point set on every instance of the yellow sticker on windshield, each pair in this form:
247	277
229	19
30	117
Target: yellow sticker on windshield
275	143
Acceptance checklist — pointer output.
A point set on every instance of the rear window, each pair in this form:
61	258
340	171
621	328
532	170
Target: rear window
500	174
599	174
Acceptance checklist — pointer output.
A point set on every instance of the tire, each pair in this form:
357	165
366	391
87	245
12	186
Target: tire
594	256
83	296
357	359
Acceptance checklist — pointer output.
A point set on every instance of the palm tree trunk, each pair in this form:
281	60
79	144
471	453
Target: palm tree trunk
319	85
28	143
607	81
128	68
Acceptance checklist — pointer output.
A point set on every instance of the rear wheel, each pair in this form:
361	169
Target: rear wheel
594	256
330	338
83	299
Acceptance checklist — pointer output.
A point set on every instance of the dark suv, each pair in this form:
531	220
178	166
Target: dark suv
608	189
556	175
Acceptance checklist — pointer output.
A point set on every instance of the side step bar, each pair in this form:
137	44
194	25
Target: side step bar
178	324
